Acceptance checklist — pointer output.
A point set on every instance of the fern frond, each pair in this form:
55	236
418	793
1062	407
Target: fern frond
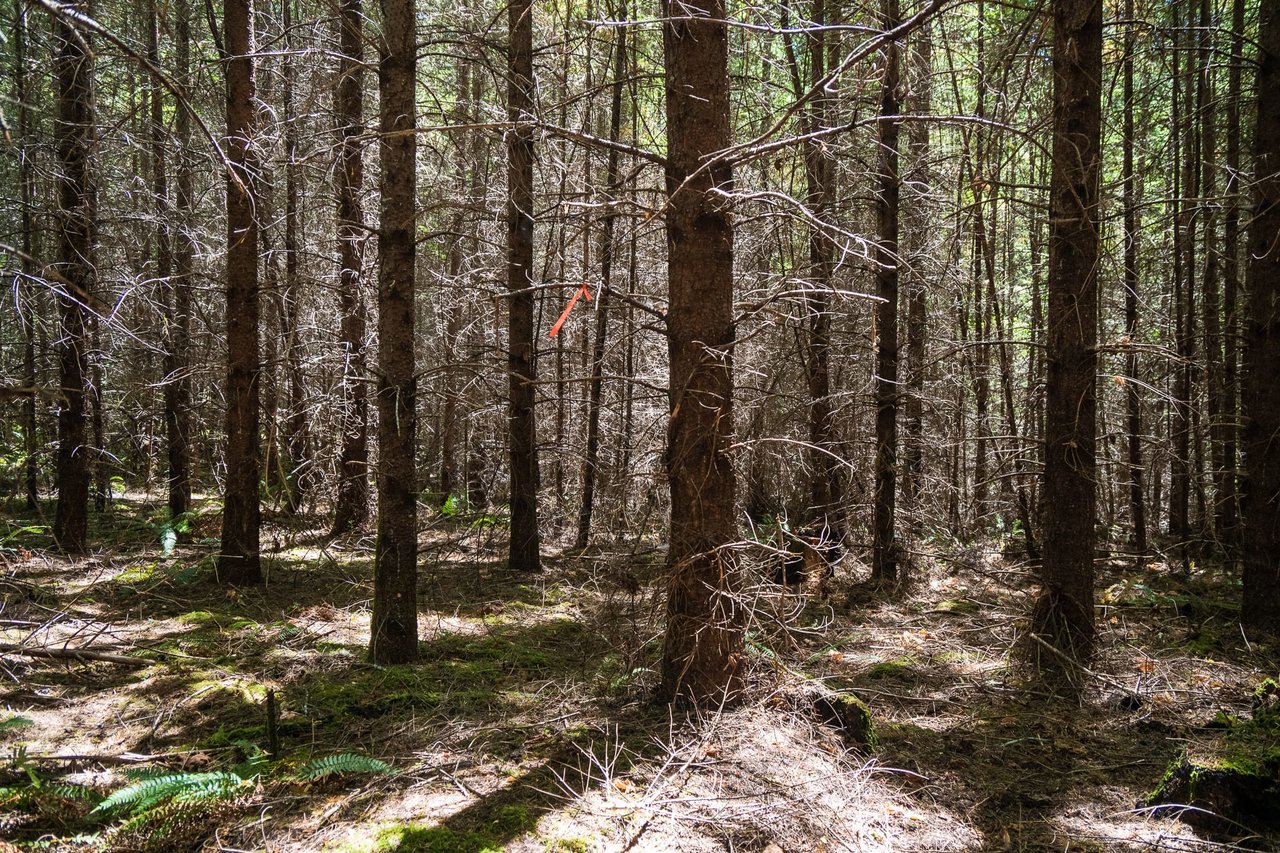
187	787
347	762
72	792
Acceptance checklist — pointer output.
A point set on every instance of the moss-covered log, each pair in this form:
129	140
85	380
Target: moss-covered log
1232	779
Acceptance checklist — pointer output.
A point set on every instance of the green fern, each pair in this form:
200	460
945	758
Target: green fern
347	762
152	789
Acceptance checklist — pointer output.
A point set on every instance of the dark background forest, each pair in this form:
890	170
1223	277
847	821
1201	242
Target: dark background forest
556	426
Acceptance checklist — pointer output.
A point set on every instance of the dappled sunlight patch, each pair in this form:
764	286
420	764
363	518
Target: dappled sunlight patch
1105	820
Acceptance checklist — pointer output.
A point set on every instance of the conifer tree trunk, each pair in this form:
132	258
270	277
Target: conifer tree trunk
917	289
1260	400
1229	502
160	193
702	652
394	634
1210	283
826	476
352	509
177	388
884	565
296	437
591	460
1133	401
522	371
26	305
74	132
239	562
1063	615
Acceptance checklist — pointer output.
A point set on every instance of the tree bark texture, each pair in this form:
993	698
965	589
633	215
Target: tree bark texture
1063	614
1132	236
702	654
522	370
1260	399
884	559
394	635
352	509
239	562
26	304
74	132
177	387
590	463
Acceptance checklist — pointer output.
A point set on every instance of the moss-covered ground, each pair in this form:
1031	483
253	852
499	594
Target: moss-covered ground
528	722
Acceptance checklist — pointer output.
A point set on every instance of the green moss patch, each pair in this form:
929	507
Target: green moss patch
460	674
850	716
1231	778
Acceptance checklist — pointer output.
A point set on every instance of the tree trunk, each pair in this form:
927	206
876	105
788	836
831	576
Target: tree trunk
1228	503
702	653
177	388
1211	303
591	461
1260	399
524	555
74	131
884	558
160	191
394	634
1132	236
352	509
239	561
826	476
1063	614
917	289
296	438
26	304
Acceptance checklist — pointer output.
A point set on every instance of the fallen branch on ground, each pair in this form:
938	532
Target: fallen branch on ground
72	654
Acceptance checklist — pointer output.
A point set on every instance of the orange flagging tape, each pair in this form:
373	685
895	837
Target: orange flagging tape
564	315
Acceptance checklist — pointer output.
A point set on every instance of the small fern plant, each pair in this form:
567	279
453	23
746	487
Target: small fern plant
347	762
150	789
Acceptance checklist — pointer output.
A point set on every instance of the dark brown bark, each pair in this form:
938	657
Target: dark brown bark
826	474
296	436
1260	397
352	509
1133	400
591	460
916	236
26	303
884	556
1229	501
177	388
1181	412
980	360
74	131
467	174
394	634
702	653
522	371
1210	283
1063	615
239	562
160	194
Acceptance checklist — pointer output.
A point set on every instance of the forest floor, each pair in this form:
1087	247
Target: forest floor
528	725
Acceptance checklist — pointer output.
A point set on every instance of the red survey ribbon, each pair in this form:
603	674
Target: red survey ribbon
564	315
